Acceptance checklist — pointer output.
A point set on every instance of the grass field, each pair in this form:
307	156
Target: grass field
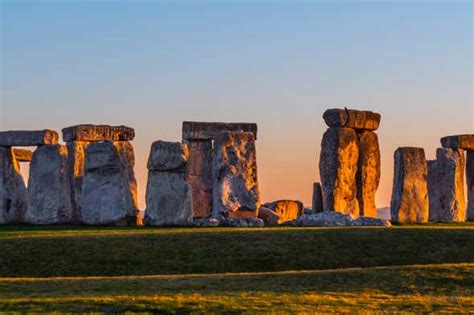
70	269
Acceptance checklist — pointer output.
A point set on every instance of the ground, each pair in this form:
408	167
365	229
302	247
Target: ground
424	268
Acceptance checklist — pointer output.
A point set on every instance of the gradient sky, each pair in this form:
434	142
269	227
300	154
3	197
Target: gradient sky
150	65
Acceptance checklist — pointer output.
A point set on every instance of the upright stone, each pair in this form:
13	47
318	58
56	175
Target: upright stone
446	186
410	192
338	168
48	187
28	138
317	205
470	184
351	118
236	193
108	196
13	194
199	176
368	173
75	170
168	195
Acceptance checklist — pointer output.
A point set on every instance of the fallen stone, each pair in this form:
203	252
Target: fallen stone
28	138
98	133
351	118
268	216
75	171
368	173
195	130
13	194
325	218
446	186
338	169
199	176
308	211
107	196
470	184
49	199
465	142
287	210
242	222
22	155
409	202
369	221
168	156
317	205
235	191
206	222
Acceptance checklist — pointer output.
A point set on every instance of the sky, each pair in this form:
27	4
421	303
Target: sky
152	64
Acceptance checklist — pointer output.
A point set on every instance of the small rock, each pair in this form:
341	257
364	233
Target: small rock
242	222
206	222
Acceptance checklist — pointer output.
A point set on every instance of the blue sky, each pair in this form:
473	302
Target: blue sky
153	64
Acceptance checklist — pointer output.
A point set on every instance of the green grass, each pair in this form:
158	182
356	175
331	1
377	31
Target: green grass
426	268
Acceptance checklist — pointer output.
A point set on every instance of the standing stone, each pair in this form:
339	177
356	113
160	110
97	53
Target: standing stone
48	187
236	193
446	186
470	184
168	195
28	138
75	170
287	210
338	168
410	192
351	118
368	173
317	205
108	196
199	176
13	194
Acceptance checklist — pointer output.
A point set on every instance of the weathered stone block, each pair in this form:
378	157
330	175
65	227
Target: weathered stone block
287	210
236	191
410	190
195	130
470	184
13	194
351	118
48	187
269	217
317	205
199	176
27	138
75	170
22	155
168	156
465	142
98	133
338	169
368	173
446	186
109	187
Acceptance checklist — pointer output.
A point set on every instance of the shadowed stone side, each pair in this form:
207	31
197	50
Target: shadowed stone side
108	196
368	173
465	142
168	195
28	138
409	202
236	193
446	186
13	194
351	118
98	133
48	187
199	176
338	168
75	170
317	205
196	130
470	184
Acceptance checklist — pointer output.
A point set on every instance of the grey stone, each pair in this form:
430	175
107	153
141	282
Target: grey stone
109	187
242	222
199	176
287	210
91	133
368	173
465	142
338	169
409	202
27	138
48	187
369	221
75	170
13	194
351	118
196	130
206	222
168	156
268	216
22	155
470	184
446	186
236	191
317	205
325	218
